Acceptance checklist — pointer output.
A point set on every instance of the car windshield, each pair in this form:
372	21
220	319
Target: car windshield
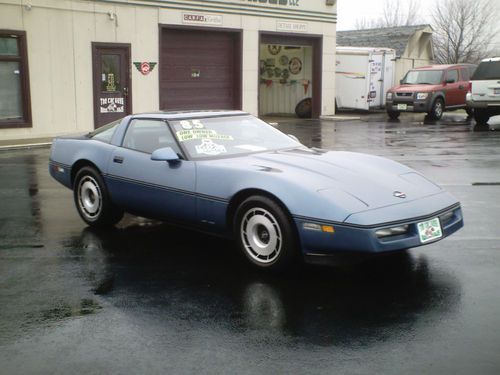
229	136
487	70
423	77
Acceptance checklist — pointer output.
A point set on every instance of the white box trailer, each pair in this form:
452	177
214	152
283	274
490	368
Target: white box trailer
362	76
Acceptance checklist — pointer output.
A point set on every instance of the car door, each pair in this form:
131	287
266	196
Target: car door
157	189
452	90
463	84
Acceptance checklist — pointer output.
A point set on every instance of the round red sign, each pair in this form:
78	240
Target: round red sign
145	68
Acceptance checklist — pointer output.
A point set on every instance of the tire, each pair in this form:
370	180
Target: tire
265	234
481	116
470	112
393	115
304	108
92	199
437	109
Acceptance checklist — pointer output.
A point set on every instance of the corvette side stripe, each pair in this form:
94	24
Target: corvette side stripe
165	188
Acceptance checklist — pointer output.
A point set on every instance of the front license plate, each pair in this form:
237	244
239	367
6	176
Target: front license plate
429	230
496	91
402	107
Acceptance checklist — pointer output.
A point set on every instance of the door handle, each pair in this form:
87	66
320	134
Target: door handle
118	159
461	87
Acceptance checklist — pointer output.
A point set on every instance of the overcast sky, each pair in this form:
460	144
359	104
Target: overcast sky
348	11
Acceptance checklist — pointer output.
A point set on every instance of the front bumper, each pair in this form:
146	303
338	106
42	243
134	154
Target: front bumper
408	104
358	239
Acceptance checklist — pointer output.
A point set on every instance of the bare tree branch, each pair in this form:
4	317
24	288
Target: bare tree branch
394	14
463	30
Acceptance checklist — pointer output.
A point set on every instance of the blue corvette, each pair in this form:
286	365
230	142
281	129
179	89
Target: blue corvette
231	174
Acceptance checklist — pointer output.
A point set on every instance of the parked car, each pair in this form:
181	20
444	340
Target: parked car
231	174
430	89
484	90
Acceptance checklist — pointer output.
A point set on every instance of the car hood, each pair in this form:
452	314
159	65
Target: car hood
415	88
372	180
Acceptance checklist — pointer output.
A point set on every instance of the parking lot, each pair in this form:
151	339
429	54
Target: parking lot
147	298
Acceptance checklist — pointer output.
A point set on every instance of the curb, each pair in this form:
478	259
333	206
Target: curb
25	146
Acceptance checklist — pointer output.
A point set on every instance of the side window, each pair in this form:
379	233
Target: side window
465	73
149	135
452	75
105	133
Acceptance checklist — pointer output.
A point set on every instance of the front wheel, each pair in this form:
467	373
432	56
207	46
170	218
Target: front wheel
92	200
437	109
393	115
265	234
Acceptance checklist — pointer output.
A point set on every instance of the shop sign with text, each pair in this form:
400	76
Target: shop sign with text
201	19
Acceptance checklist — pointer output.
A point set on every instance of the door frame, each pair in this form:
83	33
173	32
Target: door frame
314	41
126	47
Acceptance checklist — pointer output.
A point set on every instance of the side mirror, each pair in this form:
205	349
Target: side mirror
400	81
294	138
164	154
450	80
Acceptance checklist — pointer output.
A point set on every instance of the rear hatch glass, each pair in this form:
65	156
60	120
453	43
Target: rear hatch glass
487	70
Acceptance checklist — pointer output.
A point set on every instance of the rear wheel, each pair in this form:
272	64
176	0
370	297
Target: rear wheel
92	199
437	109
264	233
481	116
393	115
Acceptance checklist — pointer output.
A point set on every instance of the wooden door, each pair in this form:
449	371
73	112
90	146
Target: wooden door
111	77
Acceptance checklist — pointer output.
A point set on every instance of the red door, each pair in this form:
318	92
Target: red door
453	93
111	76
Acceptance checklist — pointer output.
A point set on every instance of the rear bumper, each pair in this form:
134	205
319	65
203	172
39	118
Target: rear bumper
494	105
61	173
358	239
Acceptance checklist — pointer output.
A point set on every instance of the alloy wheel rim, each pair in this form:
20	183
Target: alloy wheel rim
89	197
261	235
438	109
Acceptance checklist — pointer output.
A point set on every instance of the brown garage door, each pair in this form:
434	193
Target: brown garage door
200	69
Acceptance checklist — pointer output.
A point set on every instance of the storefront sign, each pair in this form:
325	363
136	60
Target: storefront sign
108	105
292	3
291	26
201	19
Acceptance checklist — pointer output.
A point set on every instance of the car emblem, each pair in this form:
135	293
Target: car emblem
398	194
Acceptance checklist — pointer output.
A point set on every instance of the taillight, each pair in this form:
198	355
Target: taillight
469	88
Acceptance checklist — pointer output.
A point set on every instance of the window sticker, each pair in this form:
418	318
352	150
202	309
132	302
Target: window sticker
193	124
208	147
191	134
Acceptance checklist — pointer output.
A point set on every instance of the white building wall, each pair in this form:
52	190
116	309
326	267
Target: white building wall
60	33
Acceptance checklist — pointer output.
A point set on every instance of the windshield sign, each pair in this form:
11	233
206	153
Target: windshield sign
423	77
229	136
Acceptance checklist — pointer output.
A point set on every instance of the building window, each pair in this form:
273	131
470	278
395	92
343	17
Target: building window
15	108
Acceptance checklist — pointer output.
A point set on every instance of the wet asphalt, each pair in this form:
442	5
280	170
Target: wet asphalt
147	298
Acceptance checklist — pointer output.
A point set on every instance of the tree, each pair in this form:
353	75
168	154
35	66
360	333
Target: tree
463	30
395	13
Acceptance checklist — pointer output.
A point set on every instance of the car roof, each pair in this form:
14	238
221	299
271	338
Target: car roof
188	114
491	59
441	67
